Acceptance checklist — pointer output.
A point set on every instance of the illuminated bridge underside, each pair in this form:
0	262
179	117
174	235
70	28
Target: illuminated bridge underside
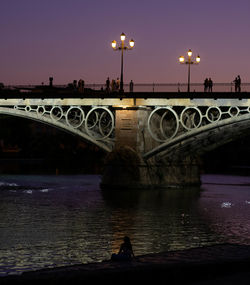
179	128
192	131
202	140
94	124
162	136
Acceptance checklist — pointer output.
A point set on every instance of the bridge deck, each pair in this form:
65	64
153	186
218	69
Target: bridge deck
91	97
53	93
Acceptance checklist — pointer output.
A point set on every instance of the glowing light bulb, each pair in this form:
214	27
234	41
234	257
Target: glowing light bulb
113	44
189	53
181	59
123	37
131	43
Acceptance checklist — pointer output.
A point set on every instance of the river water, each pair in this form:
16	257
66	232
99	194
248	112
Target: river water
49	221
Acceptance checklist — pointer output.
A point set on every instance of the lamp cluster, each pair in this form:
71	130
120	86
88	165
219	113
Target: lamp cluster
182	59
122	47
189	61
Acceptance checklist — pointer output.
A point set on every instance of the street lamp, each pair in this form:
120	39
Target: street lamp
122	47
189	61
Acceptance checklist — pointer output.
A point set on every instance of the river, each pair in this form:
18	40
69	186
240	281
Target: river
48	221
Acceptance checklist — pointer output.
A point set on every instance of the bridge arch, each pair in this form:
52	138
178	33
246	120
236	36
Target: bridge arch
203	139
40	116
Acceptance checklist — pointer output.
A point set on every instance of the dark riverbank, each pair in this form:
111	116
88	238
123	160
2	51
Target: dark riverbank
204	264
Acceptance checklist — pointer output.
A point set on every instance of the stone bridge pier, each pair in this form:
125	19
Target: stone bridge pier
126	167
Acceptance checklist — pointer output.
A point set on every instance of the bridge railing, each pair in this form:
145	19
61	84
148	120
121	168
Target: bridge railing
176	87
157	87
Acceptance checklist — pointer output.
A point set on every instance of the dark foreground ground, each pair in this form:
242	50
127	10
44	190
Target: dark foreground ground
218	264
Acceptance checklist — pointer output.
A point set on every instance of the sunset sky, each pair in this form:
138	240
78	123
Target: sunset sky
71	39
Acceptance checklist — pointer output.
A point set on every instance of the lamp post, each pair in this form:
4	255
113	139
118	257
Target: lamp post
122	47
189	61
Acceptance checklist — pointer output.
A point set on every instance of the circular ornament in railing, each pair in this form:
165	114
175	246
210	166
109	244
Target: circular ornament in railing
163	124
56	113
40	110
213	114
27	108
75	117
93	118
234	111
99	123
191	118
105	124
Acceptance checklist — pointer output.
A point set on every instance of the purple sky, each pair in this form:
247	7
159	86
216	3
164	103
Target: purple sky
70	39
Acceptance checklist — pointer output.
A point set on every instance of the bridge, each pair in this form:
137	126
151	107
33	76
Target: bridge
152	139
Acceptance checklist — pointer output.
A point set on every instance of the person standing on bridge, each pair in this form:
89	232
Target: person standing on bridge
81	86
108	85
117	84
239	83
206	85
210	85
131	86
113	85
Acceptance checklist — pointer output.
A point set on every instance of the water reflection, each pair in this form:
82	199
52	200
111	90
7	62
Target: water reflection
156	220
48	221
171	198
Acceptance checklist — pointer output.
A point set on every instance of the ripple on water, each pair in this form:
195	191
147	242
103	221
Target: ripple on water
49	221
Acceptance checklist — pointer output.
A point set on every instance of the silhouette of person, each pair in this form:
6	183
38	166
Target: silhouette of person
117	83
239	83
210	85
113	85
126	251
108	85
51	81
75	84
131	86
205	85
81	86
236	84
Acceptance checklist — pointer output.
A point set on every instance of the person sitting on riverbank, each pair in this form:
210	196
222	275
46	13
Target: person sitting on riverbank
126	251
